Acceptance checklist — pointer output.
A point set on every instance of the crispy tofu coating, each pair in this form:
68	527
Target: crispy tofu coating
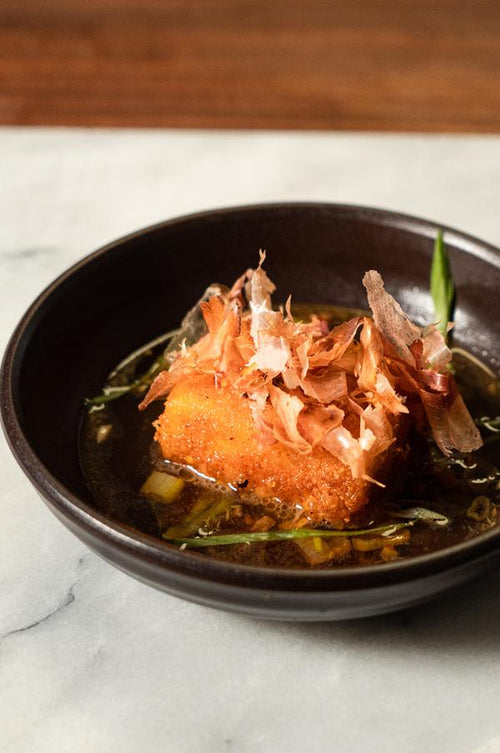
213	430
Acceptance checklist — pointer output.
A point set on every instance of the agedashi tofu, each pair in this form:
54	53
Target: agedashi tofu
313	416
213	430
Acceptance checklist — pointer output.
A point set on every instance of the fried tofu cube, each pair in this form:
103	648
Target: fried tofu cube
212	429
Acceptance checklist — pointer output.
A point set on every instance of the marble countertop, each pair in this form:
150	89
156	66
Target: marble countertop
91	660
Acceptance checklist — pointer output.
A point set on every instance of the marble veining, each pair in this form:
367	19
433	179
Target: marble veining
68	599
91	660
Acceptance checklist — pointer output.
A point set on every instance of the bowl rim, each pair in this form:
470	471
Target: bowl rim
146	547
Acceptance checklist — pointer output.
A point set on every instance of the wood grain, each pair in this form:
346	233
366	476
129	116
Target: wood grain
402	65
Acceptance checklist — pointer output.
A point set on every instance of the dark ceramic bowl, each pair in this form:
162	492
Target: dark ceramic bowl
132	290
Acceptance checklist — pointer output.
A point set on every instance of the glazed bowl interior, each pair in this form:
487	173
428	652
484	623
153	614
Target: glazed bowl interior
139	287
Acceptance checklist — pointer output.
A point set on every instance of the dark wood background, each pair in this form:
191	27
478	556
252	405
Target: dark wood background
426	65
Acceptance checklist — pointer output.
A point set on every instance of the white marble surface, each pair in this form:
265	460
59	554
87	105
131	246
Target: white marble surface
90	660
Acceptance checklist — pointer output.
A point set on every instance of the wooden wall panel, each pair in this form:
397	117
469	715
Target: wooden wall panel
370	64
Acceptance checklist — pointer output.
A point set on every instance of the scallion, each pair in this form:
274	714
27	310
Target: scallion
110	392
297	533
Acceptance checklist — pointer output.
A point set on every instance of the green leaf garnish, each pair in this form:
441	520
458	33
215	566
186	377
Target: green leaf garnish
141	382
113	393
296	533
442	287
